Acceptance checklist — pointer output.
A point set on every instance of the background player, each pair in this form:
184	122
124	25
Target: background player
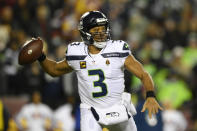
35	116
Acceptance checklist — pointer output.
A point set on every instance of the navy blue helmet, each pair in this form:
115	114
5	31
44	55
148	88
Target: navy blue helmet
89	20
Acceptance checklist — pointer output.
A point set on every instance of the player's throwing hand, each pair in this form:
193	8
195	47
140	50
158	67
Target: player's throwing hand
152	106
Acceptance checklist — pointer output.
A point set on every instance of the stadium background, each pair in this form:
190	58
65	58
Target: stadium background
162	35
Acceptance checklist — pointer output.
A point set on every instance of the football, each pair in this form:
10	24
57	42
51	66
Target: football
30	51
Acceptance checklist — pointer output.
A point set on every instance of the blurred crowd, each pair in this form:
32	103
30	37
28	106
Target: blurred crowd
162	35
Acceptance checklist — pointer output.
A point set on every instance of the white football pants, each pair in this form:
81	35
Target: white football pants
88	123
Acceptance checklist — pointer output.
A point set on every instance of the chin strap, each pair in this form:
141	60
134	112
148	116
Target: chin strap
100	44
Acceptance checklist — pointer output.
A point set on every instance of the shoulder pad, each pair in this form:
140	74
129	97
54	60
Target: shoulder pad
120	45
75	48
75	44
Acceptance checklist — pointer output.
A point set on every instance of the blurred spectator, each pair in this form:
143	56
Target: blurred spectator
7	16
33	79
171	38
63	118
35	116
52	91
193	85
11	67
189	58
12	125
40	27
174	120
173	89
4	36
4	117
23	14
64	23
176	60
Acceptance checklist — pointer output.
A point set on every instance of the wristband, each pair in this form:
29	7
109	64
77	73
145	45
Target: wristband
150	94
42	57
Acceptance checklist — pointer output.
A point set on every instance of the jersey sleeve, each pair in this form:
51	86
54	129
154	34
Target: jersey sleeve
123	48
72	48
67	54
71	51
75	53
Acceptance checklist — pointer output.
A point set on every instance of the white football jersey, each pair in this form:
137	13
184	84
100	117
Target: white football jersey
100	76
35	116
63	118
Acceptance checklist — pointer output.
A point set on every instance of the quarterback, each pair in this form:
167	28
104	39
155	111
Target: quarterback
99	63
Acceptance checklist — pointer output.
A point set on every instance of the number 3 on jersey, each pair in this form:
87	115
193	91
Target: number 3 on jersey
99	83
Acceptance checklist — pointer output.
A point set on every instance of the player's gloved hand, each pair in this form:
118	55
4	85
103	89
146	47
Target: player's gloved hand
42	57
152	106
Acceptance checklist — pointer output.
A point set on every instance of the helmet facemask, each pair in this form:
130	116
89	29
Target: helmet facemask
100	38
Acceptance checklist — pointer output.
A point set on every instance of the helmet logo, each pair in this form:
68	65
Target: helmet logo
101	21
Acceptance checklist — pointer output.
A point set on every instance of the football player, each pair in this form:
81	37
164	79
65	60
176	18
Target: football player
35	116
99	63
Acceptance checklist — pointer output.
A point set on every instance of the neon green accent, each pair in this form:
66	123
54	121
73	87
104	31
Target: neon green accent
126	46
176	92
